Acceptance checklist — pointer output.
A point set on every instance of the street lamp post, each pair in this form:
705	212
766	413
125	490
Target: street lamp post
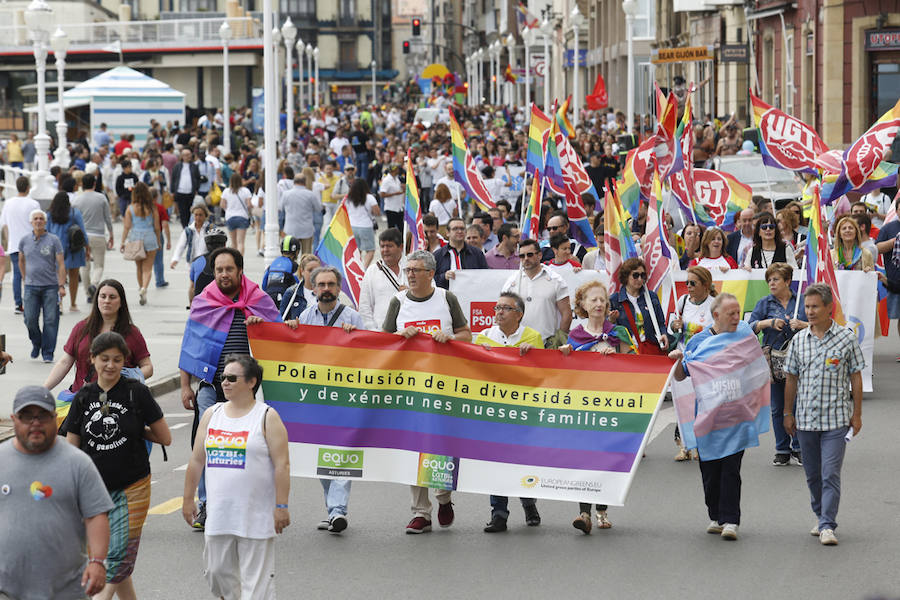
225	36
373	83
38	16
630	8
300	95
289	33
276	40
309	77
60	44
526	39
270	86
577	20
546	29
316	78
509	86
479	77
497	50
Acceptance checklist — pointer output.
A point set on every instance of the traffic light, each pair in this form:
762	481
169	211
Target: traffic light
406	47
417	26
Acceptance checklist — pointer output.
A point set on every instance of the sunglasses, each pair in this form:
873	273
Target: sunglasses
526	255
767	227
640	275
230	378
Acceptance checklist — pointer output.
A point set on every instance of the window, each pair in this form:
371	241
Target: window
768	75
645	19
347	10
347	54
298	7
387	52
197	5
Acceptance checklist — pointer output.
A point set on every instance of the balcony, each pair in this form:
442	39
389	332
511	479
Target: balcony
85	38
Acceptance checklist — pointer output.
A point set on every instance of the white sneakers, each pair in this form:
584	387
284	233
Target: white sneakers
729	531
714	528
826	537
814	531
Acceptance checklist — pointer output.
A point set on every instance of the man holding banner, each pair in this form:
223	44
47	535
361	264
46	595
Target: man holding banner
424	308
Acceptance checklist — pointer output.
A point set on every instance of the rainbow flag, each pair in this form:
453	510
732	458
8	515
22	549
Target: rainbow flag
819	267
552	166
684	136
531	220
664	145
525	19
412	214
538	131
459	408
562	121
865	154
720	198
884	175
464	170
338	249
576	182
724	406
655	248
510	77
785	142
617	242
640	163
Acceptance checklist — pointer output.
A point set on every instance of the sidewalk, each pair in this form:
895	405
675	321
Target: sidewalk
161	322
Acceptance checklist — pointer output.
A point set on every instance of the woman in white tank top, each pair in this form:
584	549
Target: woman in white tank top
243	446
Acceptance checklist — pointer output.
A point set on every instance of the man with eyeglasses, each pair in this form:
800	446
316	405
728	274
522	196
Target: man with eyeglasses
559	223
434	311
509	331
54	504
545	293
456	255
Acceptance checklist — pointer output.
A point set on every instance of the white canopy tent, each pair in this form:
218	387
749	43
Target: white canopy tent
125	100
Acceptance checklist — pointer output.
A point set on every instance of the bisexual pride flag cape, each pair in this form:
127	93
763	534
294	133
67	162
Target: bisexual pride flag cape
723	407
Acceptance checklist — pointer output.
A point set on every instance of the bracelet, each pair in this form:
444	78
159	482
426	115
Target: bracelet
99	561
281	506
788	414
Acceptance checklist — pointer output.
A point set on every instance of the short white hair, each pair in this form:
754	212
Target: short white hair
36	212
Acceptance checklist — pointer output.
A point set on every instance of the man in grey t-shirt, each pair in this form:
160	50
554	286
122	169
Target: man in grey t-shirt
52	501
94	209
42	267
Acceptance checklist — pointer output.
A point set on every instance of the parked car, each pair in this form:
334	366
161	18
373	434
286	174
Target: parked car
772	183
429	116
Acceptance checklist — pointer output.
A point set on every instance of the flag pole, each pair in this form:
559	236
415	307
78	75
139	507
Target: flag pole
800	285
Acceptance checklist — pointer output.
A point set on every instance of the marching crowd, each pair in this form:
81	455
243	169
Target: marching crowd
353	154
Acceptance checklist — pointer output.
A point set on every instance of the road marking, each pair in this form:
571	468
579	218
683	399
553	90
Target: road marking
181	468
184	415
166	508
178	426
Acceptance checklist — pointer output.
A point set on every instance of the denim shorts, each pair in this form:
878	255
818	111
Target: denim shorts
238	223
365	238
893	305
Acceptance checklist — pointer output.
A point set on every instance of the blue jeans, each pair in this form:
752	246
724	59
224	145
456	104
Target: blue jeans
823	455
44	298
337	495
783	442
362	164
206	397
17	278
500	504
158	269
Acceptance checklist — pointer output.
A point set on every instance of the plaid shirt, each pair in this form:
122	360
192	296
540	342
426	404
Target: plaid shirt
823	368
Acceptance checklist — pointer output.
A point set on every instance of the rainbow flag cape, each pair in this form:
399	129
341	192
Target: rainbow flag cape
338	249
412	214
562	121
617	243
538	131
464	170
819	267
552	167
531	219
724	406
785	142
655	248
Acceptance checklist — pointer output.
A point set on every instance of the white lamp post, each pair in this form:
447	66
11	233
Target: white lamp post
547	30
630	8
577	20
300	95
479	77
276	40
526	39
225	36
38	17
316	82
60	44
374	94
270	87
497	50
289	33
309	78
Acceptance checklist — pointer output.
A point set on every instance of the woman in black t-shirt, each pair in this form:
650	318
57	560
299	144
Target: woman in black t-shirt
109	420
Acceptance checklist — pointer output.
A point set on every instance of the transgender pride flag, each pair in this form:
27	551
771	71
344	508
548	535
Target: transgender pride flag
724	406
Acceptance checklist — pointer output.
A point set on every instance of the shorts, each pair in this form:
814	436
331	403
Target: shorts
893	305
237	567
365	238
151	242
237	223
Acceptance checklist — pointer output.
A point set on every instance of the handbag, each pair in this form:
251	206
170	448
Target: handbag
775	358
134	250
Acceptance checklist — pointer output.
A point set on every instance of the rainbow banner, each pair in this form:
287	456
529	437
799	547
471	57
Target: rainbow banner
460	416
338	248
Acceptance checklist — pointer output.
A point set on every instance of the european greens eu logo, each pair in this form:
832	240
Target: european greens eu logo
438	471
339	462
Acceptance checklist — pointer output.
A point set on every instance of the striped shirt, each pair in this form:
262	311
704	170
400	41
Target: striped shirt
823	368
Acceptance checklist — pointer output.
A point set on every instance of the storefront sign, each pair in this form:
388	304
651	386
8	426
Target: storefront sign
345	92
883	39
735	53
692	53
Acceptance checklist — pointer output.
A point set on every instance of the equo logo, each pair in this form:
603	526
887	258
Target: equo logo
438	465
339	458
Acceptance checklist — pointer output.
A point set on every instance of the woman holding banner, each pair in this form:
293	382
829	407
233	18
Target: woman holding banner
778	316
639	311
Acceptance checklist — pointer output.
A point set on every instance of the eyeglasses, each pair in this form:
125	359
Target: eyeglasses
502	308
40	417
555	227
526	255
638	275
767	227
691	283
230	378
412	270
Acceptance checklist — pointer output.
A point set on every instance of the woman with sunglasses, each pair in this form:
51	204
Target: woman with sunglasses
848	253
712	251
692	316
248	482
109	420
634	304
768	246
774	317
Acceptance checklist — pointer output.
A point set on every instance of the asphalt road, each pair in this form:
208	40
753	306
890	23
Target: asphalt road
657	547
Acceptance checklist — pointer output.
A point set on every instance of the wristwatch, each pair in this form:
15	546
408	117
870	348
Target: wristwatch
99	561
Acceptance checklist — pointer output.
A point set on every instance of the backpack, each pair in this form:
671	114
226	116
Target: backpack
278	278
76	237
